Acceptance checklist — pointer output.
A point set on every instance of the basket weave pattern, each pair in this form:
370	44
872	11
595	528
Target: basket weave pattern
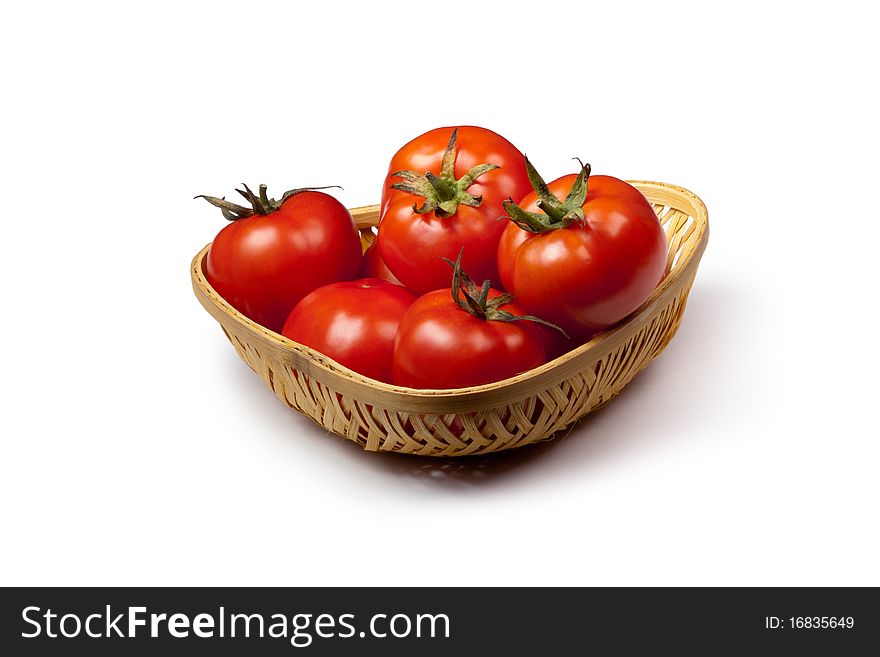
528	408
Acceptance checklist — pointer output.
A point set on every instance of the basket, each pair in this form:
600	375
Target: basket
525	409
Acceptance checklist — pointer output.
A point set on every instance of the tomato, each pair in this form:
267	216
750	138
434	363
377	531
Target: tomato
471	337
276	252
555	343
375	267
584	263
445	190
353	323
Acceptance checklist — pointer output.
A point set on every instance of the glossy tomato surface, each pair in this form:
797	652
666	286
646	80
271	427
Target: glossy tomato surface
263	265
353	322
439	345
586	277
375	267
412	244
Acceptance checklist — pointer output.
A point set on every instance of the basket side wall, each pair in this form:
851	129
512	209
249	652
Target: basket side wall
507	426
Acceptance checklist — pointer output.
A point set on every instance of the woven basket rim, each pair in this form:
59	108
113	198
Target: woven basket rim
558	369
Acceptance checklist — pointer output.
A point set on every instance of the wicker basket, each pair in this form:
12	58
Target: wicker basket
525	409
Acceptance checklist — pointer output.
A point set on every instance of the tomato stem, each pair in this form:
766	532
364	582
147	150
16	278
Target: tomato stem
555	214
260	203
445	191
476	301
442	193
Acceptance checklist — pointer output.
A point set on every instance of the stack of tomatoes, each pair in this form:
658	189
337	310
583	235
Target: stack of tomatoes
480	270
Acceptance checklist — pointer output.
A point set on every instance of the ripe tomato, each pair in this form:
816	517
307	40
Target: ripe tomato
584	263
471	337
463	175
353	323
276	252
375	267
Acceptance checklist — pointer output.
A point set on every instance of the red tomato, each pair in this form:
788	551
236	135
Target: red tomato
353	323
585	263
446	341
555	343
276	252
375	267
444	191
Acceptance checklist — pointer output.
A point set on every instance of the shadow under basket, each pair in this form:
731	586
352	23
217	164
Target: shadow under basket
525	409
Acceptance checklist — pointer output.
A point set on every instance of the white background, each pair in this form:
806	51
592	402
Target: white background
138	449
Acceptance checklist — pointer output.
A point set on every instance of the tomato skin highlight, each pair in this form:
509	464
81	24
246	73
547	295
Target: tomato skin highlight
352	322
440	346
265	264
413	244
587	277
375	267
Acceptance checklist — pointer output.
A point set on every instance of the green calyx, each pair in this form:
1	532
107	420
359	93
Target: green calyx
475	300
443	194
260	202
554	213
